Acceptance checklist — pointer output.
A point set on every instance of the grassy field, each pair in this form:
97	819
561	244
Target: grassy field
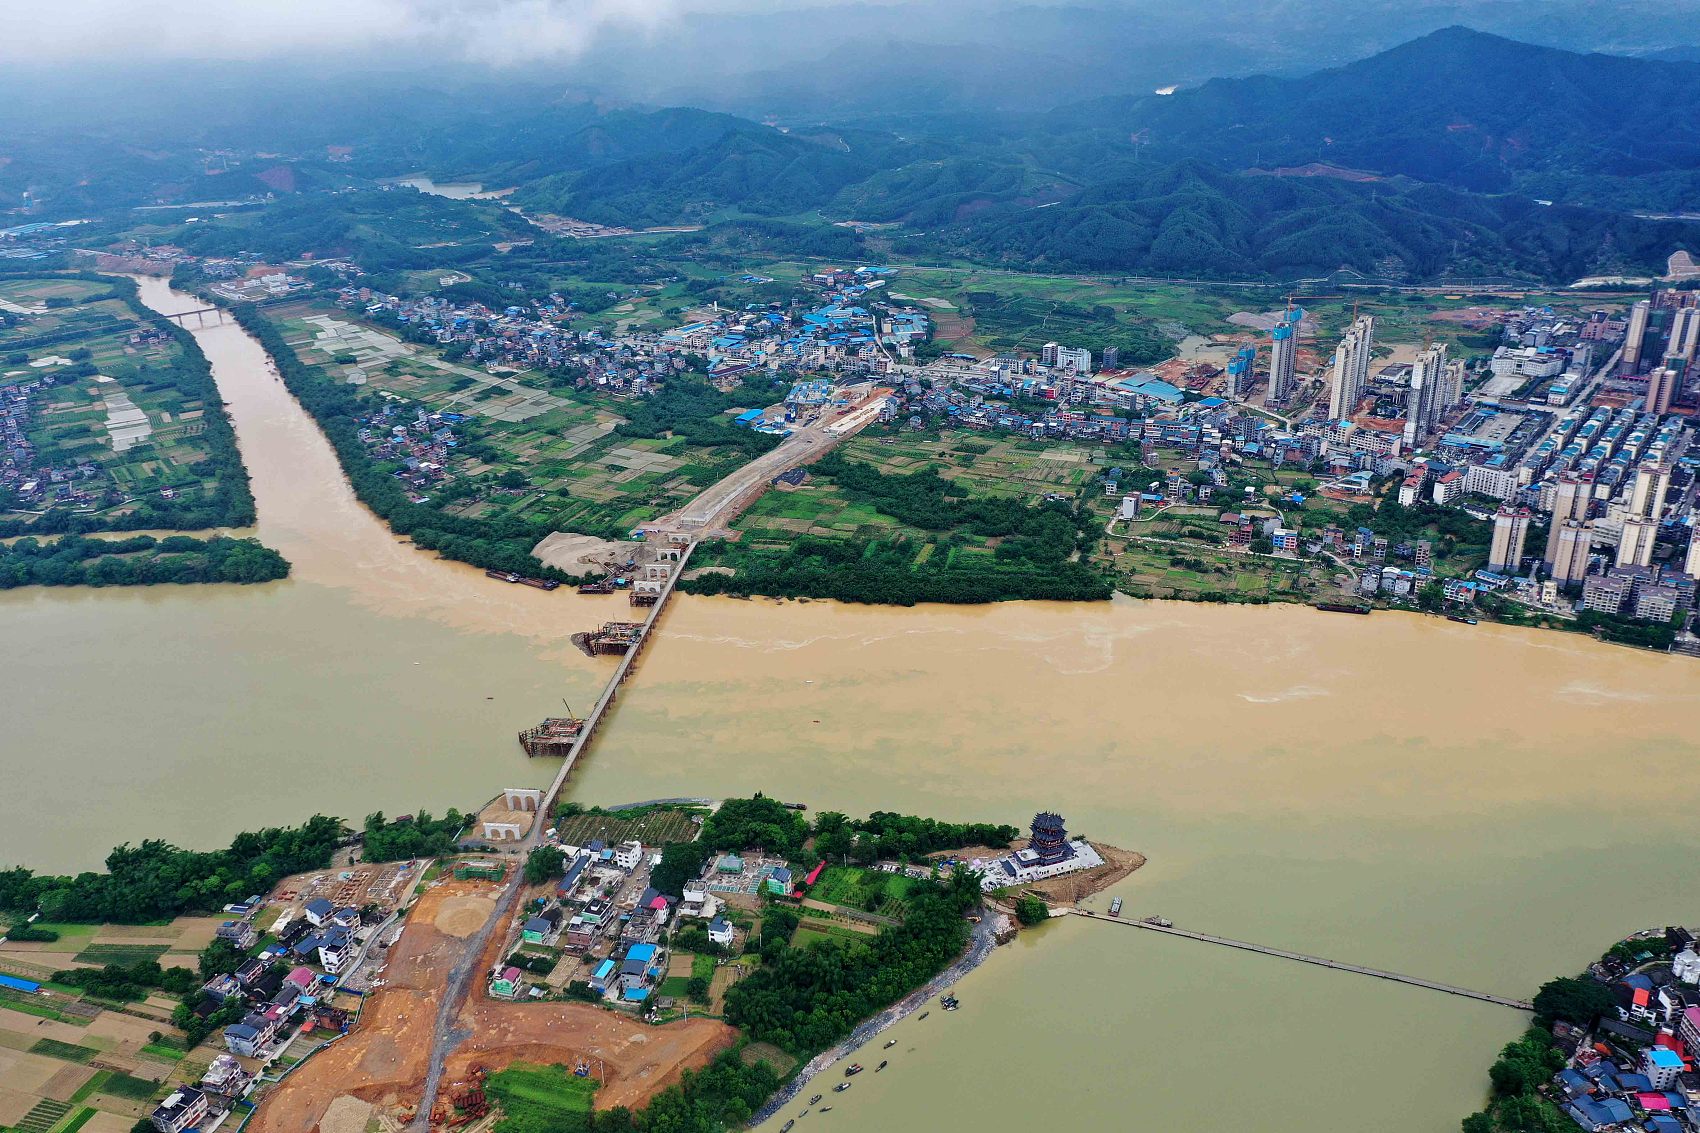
812	929
987	465
854	888
653	828
541	1099
105	404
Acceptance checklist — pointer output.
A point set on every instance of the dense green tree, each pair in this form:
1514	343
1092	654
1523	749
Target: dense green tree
1578	1001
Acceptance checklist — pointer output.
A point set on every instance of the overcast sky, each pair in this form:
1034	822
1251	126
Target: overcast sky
483	31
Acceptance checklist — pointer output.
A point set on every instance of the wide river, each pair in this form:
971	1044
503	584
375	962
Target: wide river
1482	806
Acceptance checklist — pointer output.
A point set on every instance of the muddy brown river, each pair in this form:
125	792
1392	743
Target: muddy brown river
1482	806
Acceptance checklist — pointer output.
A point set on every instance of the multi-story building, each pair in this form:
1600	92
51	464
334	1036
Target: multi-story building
1647	493
1691	561
1635	545
1635	335
1351	368
1608	592
1571	498
1662	601
1510	532
1571	544
1684	340
1240	368
1428	389
1283	355
1661	389
182	1109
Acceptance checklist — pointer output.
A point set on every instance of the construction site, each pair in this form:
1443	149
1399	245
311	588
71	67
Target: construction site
374	1076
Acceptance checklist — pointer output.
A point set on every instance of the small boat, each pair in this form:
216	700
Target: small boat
1461	618
881	1066
1116	907
853	1069
786	1128
1160	922
841	1087
826	1109
924	1014
815	1100
890	1043
949	1002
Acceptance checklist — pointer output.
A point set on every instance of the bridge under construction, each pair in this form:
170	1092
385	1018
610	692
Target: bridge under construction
1318	961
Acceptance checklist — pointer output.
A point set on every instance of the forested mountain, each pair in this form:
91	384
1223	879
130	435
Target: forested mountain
1424	162
1456	107
1197	221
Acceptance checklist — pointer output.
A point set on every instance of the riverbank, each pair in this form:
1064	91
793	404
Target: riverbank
987	932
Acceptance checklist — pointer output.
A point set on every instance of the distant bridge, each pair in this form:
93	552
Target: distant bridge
1396	977
181	318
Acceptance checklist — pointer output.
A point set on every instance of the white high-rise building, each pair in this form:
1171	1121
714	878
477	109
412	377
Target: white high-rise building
1351	368
1510	531
1684	338
1422	406
1635	545
1572	543
1571	496
1647	491
1637	332
1691	563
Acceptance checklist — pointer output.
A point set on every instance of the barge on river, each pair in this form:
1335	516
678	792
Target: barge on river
511	576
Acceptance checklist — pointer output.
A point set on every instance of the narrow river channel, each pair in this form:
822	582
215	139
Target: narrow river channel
1480	806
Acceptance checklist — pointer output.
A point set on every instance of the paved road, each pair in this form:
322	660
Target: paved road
712	509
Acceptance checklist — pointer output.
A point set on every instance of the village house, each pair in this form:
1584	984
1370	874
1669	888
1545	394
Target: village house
182	1109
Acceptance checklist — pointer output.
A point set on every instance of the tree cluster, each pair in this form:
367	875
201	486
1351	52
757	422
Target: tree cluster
416	836
805	999
742	824
903	837
140	560
125	982
156	880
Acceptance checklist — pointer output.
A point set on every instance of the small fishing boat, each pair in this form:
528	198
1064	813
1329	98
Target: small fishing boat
826	1109
881	1066
841	1087
786	1128
889	1043
949	1002
853	1069
924	1014
815	1100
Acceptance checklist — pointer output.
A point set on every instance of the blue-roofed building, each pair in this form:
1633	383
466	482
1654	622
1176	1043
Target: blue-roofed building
635	994
643	953
606	973
13	983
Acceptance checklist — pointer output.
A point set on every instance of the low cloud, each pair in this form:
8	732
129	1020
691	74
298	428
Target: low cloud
495	32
